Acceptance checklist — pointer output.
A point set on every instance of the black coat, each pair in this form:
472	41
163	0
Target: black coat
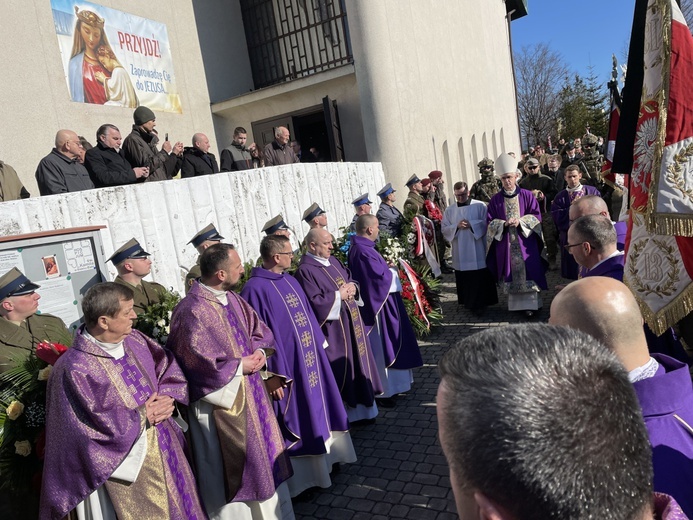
107	167
195	163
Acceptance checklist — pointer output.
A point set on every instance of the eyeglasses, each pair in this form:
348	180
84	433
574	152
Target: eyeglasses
532	167
569	246
289	253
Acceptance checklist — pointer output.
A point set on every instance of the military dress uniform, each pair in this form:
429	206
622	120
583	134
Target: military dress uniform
18	340
147	293
207	233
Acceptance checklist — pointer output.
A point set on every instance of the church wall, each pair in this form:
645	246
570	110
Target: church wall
36	98
428	73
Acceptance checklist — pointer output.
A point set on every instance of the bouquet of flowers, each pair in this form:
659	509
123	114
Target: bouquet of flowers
342	245
155	322
391	249
421	298
23	419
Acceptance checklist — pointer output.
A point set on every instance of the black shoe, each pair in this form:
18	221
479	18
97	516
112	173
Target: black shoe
385	402
445	269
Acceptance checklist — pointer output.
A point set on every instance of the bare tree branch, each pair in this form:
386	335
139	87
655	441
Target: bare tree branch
540	73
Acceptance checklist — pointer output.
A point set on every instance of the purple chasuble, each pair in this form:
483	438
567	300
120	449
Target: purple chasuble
611	268
560	208
349	350
141	390
666	508
370	270
95	407
666	400
499	255
311	407
209	340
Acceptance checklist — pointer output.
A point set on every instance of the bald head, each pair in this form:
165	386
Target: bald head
364	222
63	137
201	142
319	242
605	309
588	205
67	143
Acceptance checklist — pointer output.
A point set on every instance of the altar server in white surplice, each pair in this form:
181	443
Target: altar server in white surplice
464	226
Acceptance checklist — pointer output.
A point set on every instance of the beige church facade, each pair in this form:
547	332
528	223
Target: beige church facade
416	86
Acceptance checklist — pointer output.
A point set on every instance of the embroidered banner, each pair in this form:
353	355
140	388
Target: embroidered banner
115	58
659	249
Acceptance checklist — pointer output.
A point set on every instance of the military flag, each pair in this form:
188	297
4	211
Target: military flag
659	246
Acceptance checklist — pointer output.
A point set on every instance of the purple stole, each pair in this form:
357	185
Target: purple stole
141	390
349	350
259	392
312	406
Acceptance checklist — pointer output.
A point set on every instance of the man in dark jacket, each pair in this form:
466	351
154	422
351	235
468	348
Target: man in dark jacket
139	148
11	188
237	157
278	151
106	165
197	160
60	170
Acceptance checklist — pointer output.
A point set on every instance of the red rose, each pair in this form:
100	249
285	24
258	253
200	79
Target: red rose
50	352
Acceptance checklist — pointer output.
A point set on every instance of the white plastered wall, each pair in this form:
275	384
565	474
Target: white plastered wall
433	75
165	215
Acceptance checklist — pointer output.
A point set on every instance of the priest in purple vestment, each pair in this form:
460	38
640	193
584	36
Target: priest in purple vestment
113	448
595	205
541	422
592	242
514	240
310	410
392	337
560	210
333	295
606	309
222	345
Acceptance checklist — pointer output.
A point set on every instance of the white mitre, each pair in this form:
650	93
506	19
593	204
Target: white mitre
506	163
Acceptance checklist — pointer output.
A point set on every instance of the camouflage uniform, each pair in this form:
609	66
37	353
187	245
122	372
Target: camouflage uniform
592	162
488	185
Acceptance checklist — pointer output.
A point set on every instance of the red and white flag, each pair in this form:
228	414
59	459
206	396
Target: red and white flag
614	117
659	261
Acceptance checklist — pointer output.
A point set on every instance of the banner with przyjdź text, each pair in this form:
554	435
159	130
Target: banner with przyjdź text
114	58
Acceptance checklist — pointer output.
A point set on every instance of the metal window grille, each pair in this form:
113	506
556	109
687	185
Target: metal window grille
290	39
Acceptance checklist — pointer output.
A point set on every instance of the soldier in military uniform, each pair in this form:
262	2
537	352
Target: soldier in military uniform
362	206
415	202
21	329
438	190
390	219
488	185
202	240
592	168
133	264
591	162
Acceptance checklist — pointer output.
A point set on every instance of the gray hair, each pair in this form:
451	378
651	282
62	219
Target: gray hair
598	230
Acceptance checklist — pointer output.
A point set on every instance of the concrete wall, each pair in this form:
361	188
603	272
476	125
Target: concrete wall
36	98
165	215
339	84
223	47
436	85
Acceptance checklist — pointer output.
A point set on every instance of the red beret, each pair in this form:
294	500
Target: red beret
425	182
435	174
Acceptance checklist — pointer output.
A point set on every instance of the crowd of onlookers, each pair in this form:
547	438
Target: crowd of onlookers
141	156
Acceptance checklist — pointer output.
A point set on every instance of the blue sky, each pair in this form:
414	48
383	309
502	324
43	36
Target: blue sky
584	32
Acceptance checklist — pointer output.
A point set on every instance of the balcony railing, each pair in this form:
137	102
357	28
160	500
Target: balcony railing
289	39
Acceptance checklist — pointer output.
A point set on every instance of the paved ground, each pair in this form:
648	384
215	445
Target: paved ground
401	471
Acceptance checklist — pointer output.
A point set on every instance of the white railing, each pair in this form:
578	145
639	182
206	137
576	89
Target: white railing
163	216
